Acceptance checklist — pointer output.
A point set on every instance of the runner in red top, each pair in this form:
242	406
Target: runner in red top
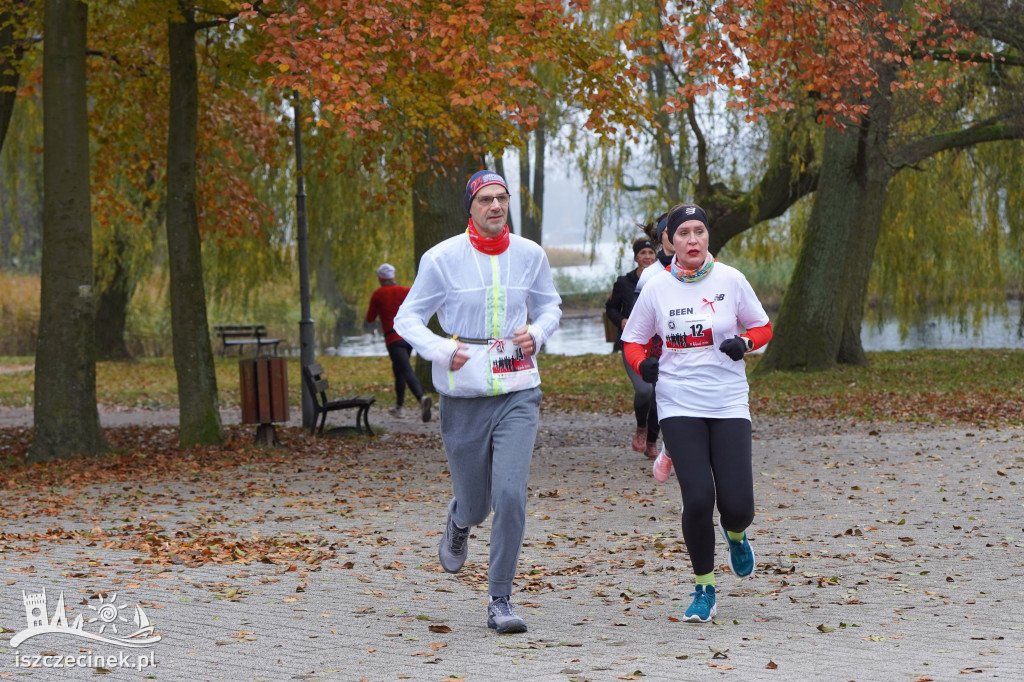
384	303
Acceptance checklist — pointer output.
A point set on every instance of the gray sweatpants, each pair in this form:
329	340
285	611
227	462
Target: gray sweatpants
489	443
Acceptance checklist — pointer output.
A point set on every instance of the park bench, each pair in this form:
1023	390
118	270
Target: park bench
316	382
242	334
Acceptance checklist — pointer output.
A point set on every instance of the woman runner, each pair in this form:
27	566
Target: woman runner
708	317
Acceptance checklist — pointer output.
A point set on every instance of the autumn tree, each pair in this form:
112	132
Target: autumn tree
859	67
963	207
430	87
66	418
193	356
742	172
237	157
426	93
820	321
126	76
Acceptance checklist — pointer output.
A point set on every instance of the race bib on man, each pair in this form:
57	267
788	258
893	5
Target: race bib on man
511	368
688	333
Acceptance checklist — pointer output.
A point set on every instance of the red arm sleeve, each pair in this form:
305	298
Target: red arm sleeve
635	354
759	336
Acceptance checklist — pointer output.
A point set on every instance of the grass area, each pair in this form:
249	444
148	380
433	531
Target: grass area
151	383
938	386
951	386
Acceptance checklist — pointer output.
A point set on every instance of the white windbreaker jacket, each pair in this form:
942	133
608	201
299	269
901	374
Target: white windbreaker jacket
477	296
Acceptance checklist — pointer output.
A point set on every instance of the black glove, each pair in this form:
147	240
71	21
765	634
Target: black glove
734	347
649	370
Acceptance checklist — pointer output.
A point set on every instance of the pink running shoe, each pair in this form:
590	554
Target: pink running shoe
640	439
662	466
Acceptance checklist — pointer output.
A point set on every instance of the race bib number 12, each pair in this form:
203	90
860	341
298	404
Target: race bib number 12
687	334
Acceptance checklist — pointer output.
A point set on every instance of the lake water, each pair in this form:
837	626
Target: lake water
578	335
582	334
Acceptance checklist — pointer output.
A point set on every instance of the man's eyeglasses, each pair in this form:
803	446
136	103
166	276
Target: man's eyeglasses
483	201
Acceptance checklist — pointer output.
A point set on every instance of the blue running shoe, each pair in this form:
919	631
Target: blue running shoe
741	554
703	606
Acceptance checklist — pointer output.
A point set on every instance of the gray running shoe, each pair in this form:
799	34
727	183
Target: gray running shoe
502	619
454	547
425	404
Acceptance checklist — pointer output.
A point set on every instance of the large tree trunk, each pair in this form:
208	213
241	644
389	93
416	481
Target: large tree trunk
437	214
199	420
66	418
818	324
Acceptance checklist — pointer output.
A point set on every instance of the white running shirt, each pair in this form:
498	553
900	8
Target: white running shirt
693	318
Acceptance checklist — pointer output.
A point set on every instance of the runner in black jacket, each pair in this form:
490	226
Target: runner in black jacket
618	307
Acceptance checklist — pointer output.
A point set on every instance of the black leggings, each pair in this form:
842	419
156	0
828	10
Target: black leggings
399	352
711	458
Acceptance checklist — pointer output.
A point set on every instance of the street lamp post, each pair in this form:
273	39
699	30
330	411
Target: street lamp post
307	352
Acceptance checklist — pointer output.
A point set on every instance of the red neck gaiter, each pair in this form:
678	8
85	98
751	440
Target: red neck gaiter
492	246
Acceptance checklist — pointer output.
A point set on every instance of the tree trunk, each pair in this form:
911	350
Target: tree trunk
326	285
199	420
670	176
112	298
539	162
66	419
437	214
818	324
526	221
531	200
10	55
499	163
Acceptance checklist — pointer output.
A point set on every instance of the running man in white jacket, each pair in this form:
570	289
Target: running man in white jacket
483	284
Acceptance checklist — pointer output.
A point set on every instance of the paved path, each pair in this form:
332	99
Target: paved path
885	552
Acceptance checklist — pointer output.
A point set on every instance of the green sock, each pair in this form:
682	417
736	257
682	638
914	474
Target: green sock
736	537
706	579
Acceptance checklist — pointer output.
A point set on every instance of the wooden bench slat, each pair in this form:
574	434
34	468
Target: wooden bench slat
317	384
242	334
